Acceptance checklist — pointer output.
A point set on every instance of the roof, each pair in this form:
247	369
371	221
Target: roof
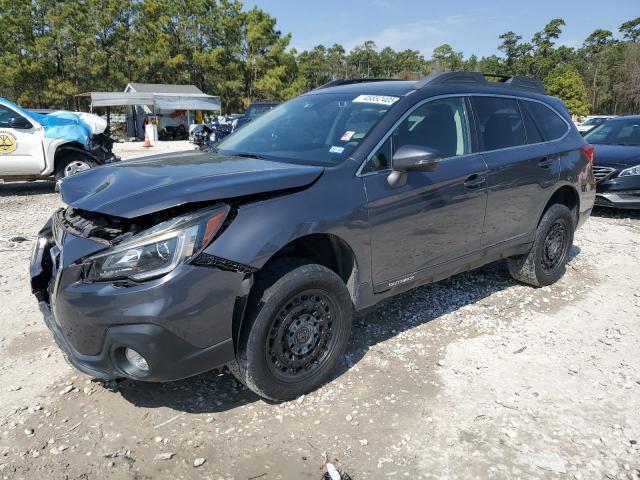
441	82
391	87
163	88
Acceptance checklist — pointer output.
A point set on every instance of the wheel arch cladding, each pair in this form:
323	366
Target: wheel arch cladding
69	148
565	195
325	249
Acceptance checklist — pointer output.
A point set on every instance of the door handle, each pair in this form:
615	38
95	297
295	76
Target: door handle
545	162
474	181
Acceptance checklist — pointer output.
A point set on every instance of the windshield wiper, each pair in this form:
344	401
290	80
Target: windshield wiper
629	144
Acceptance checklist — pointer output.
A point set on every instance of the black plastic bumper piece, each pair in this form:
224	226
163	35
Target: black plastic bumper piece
618	200
169	357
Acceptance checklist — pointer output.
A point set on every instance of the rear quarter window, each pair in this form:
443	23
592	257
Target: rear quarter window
550	123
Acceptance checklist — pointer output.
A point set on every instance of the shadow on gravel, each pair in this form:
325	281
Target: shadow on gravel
211	392
27	188
219	391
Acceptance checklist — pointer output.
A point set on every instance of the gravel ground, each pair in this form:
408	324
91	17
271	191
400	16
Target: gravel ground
473	377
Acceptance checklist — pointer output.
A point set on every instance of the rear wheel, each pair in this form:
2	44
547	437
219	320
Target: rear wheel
545	263
298	330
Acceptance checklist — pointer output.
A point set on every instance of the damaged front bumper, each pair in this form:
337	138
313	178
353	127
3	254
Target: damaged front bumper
181	323
619	192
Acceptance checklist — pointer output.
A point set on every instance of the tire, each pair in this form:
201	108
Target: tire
545	263
297	329
70	160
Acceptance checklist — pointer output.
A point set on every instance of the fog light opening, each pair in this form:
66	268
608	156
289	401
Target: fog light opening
136	360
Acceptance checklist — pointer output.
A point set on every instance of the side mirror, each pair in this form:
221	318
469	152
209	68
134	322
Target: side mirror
412	158
20	123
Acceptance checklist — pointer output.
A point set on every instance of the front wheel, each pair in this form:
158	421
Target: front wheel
298	330
73	163
545	263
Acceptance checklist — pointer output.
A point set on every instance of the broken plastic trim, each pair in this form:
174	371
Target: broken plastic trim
94	226
211	261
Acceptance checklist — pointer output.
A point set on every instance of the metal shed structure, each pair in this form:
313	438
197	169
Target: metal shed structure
171	105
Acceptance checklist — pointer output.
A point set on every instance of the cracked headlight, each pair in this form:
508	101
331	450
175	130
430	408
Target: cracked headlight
627	172
158	250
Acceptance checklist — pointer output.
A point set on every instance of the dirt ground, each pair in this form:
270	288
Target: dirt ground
473	377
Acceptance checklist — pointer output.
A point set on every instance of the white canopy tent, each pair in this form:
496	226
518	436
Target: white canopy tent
168	101
160	100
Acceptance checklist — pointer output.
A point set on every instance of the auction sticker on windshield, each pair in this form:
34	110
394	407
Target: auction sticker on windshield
377	99
8	143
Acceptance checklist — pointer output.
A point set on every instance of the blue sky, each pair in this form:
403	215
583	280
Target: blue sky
469	26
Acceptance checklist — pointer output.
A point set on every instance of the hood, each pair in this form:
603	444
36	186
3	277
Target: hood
138	187
618	156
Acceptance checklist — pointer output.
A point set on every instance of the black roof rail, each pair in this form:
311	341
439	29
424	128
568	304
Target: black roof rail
479	78
349	81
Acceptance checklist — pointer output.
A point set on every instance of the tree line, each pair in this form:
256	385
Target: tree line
55	49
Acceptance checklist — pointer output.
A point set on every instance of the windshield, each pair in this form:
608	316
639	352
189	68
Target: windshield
595	121
616	132
320	128
255	111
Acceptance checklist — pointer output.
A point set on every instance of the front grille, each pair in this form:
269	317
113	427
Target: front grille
602	173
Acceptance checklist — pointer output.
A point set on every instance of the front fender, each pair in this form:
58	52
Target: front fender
51	145
332	205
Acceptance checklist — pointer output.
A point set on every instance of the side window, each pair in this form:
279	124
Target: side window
499	122
5	116
440	125
533	132
551	124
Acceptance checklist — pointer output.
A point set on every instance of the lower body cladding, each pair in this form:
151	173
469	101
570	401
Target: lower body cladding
161	330
619	192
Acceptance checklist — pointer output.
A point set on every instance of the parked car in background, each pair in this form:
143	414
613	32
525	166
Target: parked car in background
255	254
57	144
617	162
254	111
205	136
592	121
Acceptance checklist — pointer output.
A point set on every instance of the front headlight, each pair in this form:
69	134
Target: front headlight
627	172
158	250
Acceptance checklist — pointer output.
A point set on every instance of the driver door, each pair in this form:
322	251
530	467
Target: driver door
435	217
21	149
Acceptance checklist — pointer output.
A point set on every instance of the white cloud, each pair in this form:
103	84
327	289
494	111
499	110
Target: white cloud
425	35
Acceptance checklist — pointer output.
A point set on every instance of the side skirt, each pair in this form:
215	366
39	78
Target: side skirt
382	291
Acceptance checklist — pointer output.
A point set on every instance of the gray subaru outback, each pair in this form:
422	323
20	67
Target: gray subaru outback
255	254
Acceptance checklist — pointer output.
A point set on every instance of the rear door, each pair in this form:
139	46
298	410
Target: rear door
21	150
436	216
521	166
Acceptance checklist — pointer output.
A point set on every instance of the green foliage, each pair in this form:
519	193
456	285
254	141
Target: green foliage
55	49
631	29
565	82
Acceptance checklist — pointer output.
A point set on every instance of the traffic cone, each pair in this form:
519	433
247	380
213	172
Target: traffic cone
147	143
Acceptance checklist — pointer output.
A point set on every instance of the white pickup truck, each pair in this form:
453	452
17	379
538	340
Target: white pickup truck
36	146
